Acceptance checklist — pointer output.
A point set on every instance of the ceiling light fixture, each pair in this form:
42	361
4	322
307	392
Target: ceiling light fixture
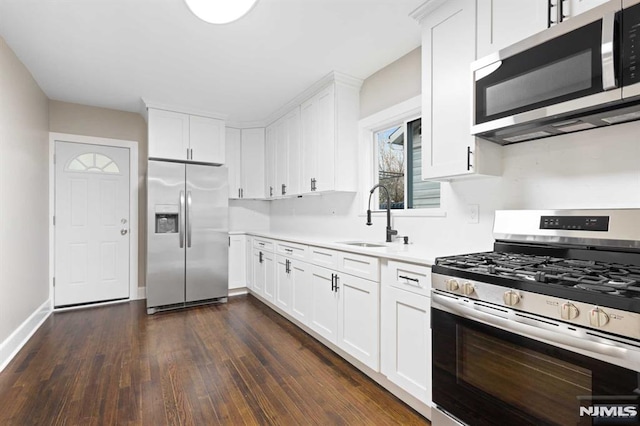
220	11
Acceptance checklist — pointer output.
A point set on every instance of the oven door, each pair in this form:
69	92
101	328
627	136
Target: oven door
484	374
561	70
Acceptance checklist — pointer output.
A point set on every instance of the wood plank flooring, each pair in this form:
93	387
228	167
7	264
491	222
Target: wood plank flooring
235	363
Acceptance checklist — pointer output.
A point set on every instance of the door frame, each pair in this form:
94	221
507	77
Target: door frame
133	203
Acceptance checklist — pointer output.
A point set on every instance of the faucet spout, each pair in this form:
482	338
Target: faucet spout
390	232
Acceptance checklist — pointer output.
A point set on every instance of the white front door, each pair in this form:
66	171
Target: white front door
91	223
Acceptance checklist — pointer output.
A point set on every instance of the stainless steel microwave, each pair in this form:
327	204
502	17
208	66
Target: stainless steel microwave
577	75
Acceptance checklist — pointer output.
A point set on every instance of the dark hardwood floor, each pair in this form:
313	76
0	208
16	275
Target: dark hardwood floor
236	363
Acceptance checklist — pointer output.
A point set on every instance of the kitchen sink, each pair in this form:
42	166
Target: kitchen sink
364	244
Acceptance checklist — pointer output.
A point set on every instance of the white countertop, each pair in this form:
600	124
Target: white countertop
412	253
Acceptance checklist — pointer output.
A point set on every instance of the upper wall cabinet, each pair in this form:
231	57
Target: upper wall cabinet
504	22
184	137
245	160
448	149
283	165
330	138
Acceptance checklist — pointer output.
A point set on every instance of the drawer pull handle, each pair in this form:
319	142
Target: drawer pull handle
415	280
288	250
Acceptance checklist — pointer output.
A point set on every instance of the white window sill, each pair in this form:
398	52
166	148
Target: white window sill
408	213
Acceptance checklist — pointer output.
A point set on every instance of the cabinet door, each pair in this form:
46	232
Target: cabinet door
284	284
326	149
259	274
253	163
358	316
309	143
292	134
237	261
576	7
323	317
504	22
406	331
300	290
269	262
282	159
249	261
234	161
270	162
168	134
206	139
448	149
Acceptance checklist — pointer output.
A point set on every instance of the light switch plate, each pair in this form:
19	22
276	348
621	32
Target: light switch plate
473	212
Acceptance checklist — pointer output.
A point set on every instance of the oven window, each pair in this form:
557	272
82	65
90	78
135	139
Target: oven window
543	386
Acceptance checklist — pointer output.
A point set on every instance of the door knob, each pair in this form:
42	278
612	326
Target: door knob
124	231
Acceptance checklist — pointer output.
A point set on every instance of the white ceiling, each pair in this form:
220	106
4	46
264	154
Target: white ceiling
112	53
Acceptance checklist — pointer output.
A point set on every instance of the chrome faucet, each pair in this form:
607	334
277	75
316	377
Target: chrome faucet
390	232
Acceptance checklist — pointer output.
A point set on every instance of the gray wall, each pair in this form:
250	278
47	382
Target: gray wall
392	84
24	194
87	120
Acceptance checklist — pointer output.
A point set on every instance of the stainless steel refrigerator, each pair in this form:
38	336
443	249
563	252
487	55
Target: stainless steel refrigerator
187	234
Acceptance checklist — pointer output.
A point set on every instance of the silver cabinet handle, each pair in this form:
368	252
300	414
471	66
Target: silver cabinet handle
188	219
181	220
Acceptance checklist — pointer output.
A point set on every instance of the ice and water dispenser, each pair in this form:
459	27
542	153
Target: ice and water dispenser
167	219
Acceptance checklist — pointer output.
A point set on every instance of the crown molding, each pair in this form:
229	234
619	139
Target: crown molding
177	108
425	9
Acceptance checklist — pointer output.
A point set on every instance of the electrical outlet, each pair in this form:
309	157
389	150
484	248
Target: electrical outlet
473	212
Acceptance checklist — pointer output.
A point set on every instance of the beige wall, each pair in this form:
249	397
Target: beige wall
86	120
397	82
24	194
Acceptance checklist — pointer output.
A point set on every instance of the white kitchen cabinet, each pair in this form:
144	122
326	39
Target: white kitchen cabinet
405	327
293	286
576	7
358	318
282	159
264	271
284	140
245	160
184	137
448	149
234	161
406	333
270	162
206	139
345	311
237	261
329	139
323	317
504	22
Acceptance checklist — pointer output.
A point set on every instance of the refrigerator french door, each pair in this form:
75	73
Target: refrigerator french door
187	234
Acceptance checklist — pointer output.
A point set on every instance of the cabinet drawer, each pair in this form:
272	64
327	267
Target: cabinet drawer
409	277
323	257
263	244
366	267
292	250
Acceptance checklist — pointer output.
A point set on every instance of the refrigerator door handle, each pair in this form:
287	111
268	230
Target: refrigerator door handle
181	220
188	219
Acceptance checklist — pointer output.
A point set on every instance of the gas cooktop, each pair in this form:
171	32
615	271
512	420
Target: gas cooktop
590	256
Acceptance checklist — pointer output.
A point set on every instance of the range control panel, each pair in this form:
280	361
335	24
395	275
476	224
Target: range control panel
575	223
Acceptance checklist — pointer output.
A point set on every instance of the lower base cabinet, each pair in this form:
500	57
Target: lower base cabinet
406	331
264	273
345	311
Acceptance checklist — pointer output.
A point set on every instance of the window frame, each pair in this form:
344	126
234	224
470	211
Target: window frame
404	113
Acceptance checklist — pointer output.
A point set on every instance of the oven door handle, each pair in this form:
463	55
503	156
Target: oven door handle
510	323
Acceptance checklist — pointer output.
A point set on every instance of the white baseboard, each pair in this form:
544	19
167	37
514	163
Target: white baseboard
237	291
12	344
142	293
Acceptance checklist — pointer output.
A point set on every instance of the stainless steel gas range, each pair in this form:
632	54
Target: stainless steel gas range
545	329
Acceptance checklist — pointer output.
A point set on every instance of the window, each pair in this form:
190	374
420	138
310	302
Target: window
92	162
398	160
